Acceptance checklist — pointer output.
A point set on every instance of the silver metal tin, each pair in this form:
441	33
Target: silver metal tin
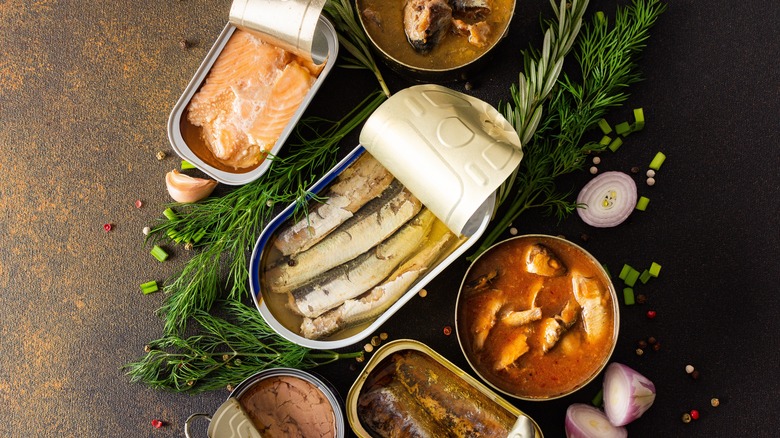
324	49
615	309
273	309
407	344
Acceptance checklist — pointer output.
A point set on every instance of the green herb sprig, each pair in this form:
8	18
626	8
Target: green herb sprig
224	355
607	59
227	226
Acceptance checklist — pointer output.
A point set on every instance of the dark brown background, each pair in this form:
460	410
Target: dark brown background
85	93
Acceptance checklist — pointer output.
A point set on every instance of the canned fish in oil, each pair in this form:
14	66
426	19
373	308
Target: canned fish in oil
405	380
247	95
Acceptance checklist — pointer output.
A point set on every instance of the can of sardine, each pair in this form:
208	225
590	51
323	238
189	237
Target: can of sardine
408	386
392	215
278	402
252	88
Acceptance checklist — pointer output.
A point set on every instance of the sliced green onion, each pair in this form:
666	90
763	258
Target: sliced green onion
655	269
624	271
604	125
628	296
186	165
199	235
598	399
658	160
605	140
639	119
170	214
159	253
149	287
645	276
641	204
623	129
631	277
615	145
600	16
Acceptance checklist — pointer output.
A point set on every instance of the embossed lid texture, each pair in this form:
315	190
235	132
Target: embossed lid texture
450	149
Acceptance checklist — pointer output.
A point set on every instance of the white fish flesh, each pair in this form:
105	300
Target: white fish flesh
517	318
541	260
592	299
363	180
426	22
373	303
553	328
362	273
372	224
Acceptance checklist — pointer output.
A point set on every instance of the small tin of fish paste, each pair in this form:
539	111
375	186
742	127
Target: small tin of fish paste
301	30
234	417
376	371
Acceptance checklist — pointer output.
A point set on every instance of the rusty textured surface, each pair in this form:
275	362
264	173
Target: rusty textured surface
86	88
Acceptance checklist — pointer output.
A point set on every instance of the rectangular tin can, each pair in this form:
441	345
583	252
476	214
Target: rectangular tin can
525	427
184	137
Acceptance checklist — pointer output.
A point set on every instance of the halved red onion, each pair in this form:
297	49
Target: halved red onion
585	421
608	199
627	394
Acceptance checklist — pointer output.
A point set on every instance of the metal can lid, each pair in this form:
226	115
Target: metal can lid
289	24
451	150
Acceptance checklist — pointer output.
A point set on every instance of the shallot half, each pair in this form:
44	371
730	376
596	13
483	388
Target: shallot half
585	421
627	394
184	188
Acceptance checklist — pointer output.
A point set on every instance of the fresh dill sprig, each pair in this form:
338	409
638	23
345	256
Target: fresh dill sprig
352	38
223	355
607	58
228	225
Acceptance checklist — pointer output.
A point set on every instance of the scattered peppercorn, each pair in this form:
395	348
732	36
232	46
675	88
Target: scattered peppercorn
184	44
594	170
383	336
657	346
188	246
368	347
584	237
635	169
513	231
360	359
640	352
642	343
641	298
375	341
147	348
157	423
651	181
694	414
160	155
138	203
695	375
230	387
715	402
107	227
651	340
689	369
447	330
423	293
596	160
146	231
650	173
686	418
651	314
468	86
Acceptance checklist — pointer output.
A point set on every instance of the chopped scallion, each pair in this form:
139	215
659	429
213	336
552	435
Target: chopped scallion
645	276
624	271
605	140
598	399
159	253
631	277
149	287
186	165
604	125
600	16
654	269
170	214
641	204
199	235
628	296
609	274
658	160
623	129
615	145
639	119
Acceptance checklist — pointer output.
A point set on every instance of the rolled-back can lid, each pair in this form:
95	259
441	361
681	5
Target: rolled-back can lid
451	150
289	24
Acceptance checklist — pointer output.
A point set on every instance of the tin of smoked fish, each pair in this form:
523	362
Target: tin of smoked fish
189	141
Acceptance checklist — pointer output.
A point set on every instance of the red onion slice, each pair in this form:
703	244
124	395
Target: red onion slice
585	421
608	199
627	394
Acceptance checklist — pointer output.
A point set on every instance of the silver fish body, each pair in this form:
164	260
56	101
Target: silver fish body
426	22
377	220
362	273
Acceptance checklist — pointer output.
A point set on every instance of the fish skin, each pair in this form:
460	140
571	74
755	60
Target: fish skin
592	300
541	260
473	10
362	273
517	318
389	410
373	303
363	180
369	226
426	22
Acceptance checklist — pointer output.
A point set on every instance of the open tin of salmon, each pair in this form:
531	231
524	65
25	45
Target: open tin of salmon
386	220
408	386
253	87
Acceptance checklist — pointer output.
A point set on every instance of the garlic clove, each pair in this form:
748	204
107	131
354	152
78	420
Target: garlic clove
184	188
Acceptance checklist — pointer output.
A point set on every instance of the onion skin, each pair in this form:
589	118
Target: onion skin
585	421
184	188
609	199
627	394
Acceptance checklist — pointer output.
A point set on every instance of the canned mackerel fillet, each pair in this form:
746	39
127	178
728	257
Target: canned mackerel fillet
253	87
386	220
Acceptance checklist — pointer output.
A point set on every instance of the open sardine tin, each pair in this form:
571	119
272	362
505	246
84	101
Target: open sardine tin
296	26
450	150
376	370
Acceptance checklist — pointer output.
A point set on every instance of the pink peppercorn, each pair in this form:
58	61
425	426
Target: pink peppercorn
694	414
651	314
157	423
107	227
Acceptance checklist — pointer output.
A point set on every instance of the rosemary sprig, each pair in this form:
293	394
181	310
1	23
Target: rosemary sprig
607	59
224	354
231	222
352	38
